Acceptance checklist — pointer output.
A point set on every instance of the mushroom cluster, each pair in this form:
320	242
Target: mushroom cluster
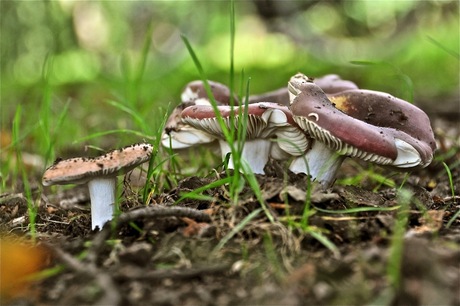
316	123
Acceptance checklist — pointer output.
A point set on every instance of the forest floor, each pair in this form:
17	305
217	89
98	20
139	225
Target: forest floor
361	244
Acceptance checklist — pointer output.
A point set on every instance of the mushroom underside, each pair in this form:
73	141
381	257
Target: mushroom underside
186	137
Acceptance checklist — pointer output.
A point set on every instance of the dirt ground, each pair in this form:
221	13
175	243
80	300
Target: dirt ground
167	254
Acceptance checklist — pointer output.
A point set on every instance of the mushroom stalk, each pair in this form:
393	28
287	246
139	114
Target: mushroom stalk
320	162
102	193
255	152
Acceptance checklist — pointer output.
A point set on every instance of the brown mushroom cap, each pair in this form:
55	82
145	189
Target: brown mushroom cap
352	136
256	122
280	96
196	90
332	84
255	109
342	133
80	170
384	110
177	134
195	93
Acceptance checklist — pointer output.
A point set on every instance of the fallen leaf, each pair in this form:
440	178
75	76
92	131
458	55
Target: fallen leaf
18	261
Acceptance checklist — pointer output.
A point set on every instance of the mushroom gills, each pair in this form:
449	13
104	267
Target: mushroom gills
338	145
185	138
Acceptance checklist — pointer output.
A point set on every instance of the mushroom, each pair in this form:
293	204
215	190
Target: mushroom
100	173
369	125
176	134
266	121
412	125
330	84
280	96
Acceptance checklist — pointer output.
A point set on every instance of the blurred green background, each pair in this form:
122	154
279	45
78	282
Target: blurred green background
84	54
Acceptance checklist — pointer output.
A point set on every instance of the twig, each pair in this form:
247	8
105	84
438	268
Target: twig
105	282
156	211
161	211
176	274
12	198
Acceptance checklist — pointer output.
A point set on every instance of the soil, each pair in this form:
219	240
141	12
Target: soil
393	249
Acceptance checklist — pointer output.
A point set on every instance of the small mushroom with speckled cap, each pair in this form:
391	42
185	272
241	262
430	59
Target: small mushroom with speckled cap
177	134
100	173
372	126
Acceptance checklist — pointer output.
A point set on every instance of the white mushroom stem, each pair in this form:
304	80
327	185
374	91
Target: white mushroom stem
255	152
320	162
102	193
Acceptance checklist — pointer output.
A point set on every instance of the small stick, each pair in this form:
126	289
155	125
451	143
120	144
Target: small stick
105	282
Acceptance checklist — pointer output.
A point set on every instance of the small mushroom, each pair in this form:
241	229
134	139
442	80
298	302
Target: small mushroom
353	129
176	134
100	173
266	121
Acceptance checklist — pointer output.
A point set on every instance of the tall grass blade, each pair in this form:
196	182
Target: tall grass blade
118	131
31	207
442	47
357	210
46	107
156	146
326	242
55	134
451	180
397	73
452	189
135	115
252	181
199	190
397	239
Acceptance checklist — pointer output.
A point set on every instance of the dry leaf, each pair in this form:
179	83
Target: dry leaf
18	260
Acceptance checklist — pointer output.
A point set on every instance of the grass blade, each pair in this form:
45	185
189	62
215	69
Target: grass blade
236	229
120	131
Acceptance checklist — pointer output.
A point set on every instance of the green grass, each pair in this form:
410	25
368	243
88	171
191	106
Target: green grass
452	189
393	72
370	175
32	209
235	136
237	229
397	240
